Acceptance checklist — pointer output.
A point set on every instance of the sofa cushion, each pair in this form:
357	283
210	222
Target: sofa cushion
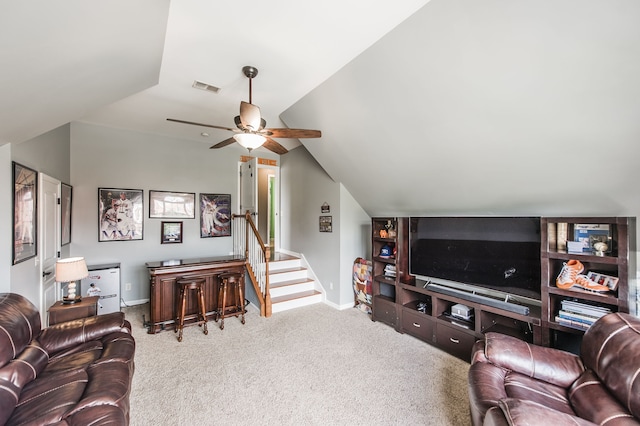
19	324
591	401
60	337
47	400
551	396
547	364
610	348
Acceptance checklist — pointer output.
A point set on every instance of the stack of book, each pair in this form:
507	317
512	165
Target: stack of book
579	315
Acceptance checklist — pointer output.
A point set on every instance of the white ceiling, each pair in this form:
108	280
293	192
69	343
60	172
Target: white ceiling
88	61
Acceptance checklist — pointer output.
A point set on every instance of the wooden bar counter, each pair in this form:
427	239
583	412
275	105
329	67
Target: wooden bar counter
162	279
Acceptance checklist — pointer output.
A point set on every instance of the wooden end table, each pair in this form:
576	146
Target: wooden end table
61	312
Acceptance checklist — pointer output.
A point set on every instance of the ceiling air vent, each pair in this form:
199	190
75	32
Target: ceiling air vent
204	86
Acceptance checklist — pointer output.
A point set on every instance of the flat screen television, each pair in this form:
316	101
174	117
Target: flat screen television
494	256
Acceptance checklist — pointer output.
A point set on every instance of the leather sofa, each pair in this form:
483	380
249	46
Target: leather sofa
72	373
512	382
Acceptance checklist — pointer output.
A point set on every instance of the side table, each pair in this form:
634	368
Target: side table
61	312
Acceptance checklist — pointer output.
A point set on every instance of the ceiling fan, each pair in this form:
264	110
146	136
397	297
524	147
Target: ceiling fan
251	132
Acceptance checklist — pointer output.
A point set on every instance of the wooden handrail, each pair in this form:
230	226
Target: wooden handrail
247	241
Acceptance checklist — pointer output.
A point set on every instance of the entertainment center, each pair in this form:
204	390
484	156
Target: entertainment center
428	272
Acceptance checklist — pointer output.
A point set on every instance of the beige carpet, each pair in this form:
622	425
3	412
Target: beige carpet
309	366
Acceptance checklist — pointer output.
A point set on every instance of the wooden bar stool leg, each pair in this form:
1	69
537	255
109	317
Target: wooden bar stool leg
203	311
183	309
224	300
241	296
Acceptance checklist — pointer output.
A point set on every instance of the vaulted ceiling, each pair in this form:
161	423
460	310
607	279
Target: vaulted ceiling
132	64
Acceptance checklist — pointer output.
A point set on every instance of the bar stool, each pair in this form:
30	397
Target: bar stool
230	282
189	284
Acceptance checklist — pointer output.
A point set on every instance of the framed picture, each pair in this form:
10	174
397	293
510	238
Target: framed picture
65	214
215	215
171	205
25	213
120	214
171	232
325	224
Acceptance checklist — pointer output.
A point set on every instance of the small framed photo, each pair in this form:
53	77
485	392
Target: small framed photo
25	213
120	214
602	279
171	232
325	224
215	215
65	214
171	205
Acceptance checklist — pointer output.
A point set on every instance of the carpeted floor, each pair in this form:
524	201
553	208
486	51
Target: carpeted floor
309	366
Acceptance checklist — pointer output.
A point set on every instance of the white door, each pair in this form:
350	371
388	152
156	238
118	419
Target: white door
49	241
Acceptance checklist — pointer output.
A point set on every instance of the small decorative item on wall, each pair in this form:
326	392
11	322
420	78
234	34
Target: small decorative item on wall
65	214
25	213
120	214
215	215
171	232
325	224
325	208
171	205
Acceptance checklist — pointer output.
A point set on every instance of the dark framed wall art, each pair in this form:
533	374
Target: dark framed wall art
215	215
171	205
171	232
25	213
120	214
65	213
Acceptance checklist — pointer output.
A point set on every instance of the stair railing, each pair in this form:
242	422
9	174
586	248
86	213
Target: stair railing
248	243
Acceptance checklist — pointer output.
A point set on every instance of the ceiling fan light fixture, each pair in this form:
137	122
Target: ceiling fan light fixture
249	140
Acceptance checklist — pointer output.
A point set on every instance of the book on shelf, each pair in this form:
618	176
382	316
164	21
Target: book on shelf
573	324
584	309
572	316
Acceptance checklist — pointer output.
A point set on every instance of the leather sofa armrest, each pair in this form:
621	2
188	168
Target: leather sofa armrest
61	336
511	411
550	365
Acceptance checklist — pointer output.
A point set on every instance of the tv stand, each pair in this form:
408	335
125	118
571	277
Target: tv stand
457	336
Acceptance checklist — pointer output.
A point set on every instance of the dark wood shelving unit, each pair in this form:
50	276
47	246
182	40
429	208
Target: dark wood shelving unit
618	262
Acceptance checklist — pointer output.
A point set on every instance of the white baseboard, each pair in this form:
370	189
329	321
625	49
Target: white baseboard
341	307
128	303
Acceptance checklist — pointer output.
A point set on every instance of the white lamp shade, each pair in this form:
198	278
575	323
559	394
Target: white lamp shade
71	269
249	140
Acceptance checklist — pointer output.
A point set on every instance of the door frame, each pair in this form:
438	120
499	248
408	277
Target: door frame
259	192
49	244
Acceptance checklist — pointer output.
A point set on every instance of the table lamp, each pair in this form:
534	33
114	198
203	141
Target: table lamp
70	270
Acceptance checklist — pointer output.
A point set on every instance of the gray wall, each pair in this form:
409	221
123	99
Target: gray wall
6	214
305	188
111	158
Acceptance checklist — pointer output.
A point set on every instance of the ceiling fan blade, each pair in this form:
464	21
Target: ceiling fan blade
223	143
292	133
250	116
201	124
274	146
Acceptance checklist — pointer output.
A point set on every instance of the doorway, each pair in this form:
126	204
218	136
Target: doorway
259	193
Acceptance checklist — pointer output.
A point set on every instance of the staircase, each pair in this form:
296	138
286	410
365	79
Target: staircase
291	284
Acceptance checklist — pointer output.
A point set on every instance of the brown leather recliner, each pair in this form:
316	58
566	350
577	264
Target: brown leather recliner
512	382
73	373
